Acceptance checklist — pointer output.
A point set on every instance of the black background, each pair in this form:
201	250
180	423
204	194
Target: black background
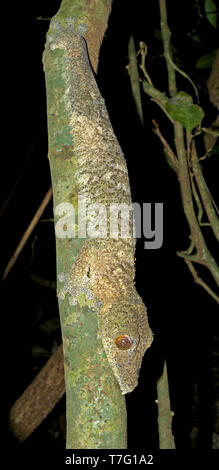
182	316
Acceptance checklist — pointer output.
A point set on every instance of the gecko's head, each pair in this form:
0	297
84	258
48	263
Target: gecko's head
126	335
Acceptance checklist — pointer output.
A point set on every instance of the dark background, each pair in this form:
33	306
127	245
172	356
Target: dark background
182	316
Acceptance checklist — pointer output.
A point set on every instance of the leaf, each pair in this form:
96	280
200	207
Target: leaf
211	12
206	61
182	109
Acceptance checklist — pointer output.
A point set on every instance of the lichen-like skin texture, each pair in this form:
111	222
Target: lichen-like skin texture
102	276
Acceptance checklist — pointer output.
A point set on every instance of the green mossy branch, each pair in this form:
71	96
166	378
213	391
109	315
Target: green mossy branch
95	408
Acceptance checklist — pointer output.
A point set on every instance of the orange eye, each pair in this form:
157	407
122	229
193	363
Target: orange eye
123	342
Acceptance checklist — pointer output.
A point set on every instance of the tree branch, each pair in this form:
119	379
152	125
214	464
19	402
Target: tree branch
39	398
166	146
165	32
199	281
134	78
27	233
203	256
204	193
96	411
166	440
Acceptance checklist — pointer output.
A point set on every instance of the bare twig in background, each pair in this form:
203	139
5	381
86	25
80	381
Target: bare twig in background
39	398
186	162
27	233
166	440
143	53
164	413
199	281
165	33
204	193
134	78
167	149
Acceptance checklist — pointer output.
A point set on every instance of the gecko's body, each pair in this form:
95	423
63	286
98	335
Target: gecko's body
104	269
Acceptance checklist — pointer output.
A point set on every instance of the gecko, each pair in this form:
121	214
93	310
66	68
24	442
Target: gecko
104	270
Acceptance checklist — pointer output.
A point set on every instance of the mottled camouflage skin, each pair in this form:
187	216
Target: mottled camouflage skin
103	273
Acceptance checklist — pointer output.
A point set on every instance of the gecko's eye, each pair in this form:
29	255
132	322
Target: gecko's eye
123	342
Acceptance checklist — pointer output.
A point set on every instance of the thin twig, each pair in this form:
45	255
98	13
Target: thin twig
183	74
199	281
203	255
134	78
163	109
197	200
166	440
27	233
199	205
189	250
209	131
165	32
166	146
204	193
157	96
143	52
